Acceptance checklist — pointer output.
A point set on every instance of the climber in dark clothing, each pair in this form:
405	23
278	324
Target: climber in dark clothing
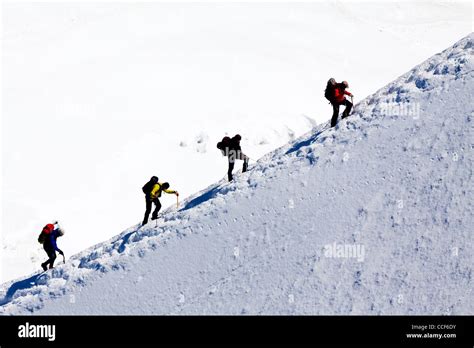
51	233
230	147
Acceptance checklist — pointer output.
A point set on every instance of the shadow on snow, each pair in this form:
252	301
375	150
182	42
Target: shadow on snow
212	193
20	285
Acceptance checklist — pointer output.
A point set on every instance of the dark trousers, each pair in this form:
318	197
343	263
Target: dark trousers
51	254
232	160
335	108
149	202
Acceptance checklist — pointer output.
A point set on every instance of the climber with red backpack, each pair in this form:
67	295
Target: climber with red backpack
336	94
230	147
48	237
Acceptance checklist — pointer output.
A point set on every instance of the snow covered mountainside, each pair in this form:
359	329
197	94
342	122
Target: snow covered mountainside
126	90
373	216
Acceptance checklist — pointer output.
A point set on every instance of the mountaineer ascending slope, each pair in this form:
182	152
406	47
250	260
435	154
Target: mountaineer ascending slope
48	237
335	93
231	148
152	190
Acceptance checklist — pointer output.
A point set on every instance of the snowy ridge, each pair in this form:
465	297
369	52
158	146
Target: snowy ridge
398	185
221	75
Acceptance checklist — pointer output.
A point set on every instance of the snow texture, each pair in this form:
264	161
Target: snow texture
394	179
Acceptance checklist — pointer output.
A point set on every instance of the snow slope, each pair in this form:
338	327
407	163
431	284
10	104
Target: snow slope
394	179
130	90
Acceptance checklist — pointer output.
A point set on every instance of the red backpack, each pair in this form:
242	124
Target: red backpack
45	232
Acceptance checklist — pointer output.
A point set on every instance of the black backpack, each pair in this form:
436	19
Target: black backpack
224	143
148	187
329	92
